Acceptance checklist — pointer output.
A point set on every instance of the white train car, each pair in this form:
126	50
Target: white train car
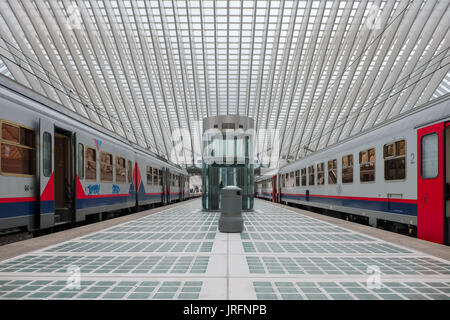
398	173
264	186
57	167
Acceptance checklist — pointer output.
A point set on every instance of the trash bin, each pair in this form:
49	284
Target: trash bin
231	210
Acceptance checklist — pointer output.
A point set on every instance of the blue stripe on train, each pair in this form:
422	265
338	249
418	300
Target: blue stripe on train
18	209
409	209
25	208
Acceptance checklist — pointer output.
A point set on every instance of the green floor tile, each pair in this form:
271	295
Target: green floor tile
341	296
260	284
316	296
291	296
362	296
163	296
390	296
191	289
264	289
287	290
188	296
438	296
52	288
266	296
149	283
16	294
65	295
138	296
89	295
144	289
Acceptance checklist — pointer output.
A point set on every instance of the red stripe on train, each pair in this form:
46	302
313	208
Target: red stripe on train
18	199
49	191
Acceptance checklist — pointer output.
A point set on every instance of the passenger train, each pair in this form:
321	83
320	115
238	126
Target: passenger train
57	167
396	174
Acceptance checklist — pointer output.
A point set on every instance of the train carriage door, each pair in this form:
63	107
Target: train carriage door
78	173
447	184
274	188
166	186
165	178
182	184
63	154
431	219
177	183
279	188
46	174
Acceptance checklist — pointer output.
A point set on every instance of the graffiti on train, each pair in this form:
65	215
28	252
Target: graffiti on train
93	189
115	189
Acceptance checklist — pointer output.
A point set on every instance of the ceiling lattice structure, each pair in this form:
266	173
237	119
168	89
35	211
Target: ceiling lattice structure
319	71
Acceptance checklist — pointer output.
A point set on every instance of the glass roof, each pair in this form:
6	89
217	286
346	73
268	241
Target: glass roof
318	71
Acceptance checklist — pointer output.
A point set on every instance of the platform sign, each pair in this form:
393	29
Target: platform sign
430	183
46	174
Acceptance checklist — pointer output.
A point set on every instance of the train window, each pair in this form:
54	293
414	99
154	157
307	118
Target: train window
367	165
130	171
291	179
80	168
320	173
395	160
91	164
10	133
347	169
120	170
27	137
303	171
311	175
332	171
297	178
429	156
18	153
47	154
149	176
106	167
155	176
160	177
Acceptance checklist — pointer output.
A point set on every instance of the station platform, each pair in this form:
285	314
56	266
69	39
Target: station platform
178	253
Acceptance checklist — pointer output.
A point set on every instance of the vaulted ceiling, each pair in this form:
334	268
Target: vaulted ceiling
316	71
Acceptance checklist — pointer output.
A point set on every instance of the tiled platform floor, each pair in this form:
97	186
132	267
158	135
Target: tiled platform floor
179	254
